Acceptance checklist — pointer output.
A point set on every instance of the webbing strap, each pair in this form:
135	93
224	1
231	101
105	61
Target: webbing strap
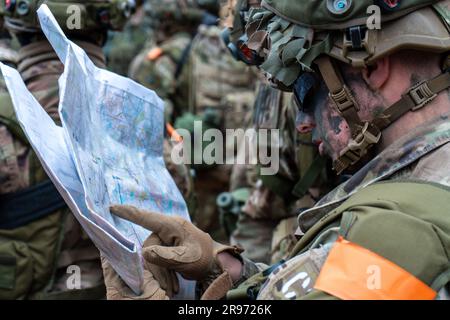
310	177
416	98
367	134
340	94
183	60
278	184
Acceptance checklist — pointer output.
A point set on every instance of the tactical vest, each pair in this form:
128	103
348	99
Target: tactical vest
401	227
36	227
217	81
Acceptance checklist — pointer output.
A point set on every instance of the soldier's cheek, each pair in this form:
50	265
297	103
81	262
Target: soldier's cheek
333	131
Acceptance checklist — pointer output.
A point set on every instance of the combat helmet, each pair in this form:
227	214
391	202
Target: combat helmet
295	39
234	15
94	15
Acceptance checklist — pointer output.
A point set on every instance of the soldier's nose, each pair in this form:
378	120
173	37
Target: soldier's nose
305	123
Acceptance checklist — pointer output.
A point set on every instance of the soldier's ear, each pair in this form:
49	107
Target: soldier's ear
376	76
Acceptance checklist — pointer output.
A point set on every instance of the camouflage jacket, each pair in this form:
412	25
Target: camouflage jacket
122	47
216	80
56	241
423	154
192	74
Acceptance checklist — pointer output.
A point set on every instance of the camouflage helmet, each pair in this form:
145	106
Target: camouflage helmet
180	11
94	15
234	15
297	39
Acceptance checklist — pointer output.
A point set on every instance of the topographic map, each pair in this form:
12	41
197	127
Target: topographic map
108	151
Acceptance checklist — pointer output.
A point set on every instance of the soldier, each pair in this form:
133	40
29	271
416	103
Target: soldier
40	237
200	82
266	219
122	47
380	101
159	67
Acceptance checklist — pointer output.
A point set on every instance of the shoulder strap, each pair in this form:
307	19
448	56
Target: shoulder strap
184	58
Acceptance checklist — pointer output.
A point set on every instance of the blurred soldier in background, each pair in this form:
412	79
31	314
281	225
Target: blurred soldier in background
40	238
192	71
265	221
123	46
159	67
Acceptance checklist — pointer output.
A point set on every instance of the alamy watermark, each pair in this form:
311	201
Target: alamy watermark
73	21
73	282
374	19
231	146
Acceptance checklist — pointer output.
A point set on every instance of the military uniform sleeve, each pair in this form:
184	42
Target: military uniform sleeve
249	269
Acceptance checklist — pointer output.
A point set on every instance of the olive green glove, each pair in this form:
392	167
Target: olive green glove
159	283
187	250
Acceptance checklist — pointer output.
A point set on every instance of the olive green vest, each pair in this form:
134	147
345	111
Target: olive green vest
407	223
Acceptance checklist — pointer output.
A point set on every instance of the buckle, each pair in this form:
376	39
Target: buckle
358	147
344	100
421	94
364	140
354	37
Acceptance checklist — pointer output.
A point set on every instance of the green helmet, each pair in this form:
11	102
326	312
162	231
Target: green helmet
20	15
295	39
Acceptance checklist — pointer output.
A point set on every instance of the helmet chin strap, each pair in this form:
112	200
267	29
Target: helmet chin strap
366	134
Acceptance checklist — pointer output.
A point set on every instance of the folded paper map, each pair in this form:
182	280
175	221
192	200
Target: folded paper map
108	151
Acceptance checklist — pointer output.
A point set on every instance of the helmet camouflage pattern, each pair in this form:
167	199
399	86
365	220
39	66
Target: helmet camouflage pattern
290	40
291	35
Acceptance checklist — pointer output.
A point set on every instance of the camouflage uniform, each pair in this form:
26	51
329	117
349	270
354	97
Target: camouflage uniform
422	155
67	244
156	68
222	88
197	76
374	218
267	221
122	47
37	250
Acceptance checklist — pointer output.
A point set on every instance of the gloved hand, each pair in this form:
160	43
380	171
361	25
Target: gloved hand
187	250
116	289
159	283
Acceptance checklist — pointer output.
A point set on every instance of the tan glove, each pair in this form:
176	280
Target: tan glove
159	283
116	289
188	250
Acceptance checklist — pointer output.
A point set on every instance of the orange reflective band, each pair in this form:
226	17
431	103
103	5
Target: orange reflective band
154	54
352	272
